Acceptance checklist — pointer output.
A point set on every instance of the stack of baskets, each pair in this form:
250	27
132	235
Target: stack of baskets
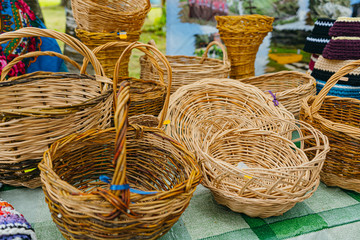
41	107
187	69
242	36
102	21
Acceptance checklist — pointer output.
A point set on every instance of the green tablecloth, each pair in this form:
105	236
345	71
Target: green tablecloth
331	213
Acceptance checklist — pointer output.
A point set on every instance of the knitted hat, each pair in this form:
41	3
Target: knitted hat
319	37
342	48
13	225
340	90
325	68
346	26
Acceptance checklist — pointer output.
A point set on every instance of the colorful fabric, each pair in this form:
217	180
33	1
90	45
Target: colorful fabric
319	37
313	59
342	48
16	14
346	27
13	225
340	90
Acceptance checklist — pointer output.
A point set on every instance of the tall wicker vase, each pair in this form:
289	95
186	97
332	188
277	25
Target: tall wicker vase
242	36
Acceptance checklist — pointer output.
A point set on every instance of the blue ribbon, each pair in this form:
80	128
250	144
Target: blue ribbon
275	101
106	179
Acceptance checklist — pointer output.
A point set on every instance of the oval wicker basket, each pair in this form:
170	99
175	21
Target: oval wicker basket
287	87
219	99
161	174
187	69
242	36
262	173
338	118
110	15
147	96
41	107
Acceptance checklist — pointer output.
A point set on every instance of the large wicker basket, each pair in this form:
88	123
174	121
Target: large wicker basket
338	118
110	15
153	180
221	100
187	69
147	96
41	107
286	87
263	173
242	36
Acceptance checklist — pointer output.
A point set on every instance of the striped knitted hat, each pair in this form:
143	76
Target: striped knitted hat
342	48
319	37
338	90
346	26
325	68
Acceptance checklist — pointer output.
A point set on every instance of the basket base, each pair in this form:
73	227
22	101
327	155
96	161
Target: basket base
33	183
334	180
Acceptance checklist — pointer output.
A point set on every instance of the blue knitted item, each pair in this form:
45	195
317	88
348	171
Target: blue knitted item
340	90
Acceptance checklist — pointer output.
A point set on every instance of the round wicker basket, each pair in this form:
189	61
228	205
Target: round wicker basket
41	107
153	180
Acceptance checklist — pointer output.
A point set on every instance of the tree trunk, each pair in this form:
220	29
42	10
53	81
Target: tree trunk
35	7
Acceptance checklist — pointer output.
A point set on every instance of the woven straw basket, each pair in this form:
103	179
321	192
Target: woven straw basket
242	36
41	107
259	172
220	100
187	70
338	118
147	96
153	179
110	15
286	87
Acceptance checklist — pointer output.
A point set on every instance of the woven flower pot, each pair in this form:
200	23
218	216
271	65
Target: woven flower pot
242	36
188	69
286	87
41	107
338	118
139	190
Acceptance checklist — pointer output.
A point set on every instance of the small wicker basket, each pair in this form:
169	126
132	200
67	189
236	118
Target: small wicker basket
148	97
242	36
41	107
286	87
153	180
338	118
110	15
263	173
187	69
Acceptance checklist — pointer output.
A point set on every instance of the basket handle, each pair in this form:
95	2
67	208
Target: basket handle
319	99
146	49
8	67
69	40
225	56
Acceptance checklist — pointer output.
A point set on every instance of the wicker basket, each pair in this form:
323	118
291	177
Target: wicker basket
338	118
108	56
187	70
147	96
41	107
220	100
110	15
160	173
287	87
242	36
262	173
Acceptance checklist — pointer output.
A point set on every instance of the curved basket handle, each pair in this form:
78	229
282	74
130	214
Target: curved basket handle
145	48
8	67
319	99
67	39
225	56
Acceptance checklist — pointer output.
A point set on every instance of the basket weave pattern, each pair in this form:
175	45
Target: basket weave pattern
242	36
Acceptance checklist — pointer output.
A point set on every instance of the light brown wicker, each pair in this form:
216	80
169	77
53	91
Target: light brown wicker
147	96
220	100
242	36
187	69
259	172
287	87
339	119
145	158
41	107
110	15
